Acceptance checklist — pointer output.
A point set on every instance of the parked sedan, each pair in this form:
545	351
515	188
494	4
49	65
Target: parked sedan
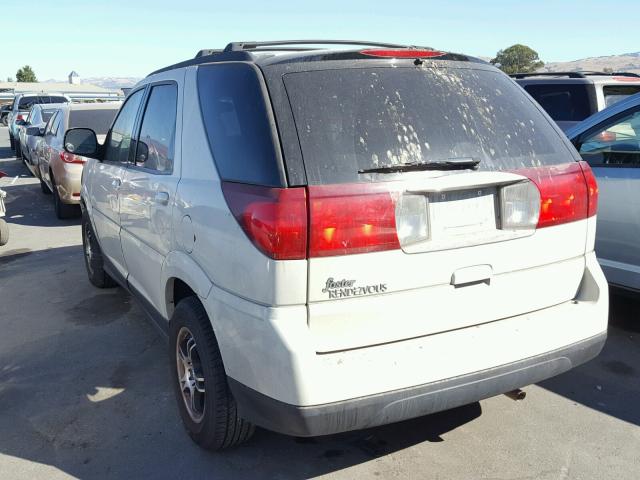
38	117
60	171
610	142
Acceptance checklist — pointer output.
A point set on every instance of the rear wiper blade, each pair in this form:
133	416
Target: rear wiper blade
449	164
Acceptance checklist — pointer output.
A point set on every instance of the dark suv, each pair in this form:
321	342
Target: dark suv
570	97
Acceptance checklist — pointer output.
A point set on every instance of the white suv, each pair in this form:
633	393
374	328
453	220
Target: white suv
338	239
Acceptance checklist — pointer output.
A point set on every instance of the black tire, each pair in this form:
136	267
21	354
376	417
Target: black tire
93	259
220	426
12	143
63	210
4	232
44	188
18	150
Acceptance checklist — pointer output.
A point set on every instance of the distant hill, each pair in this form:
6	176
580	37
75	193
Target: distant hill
627	62
111	82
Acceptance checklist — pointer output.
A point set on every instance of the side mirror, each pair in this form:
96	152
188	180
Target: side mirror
142	153
35	131
81	141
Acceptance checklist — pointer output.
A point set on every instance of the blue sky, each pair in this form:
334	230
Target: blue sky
134	37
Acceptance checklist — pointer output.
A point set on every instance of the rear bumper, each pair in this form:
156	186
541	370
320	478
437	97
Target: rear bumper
411	402
68	178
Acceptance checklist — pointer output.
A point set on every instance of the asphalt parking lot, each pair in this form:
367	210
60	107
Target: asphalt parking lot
84	391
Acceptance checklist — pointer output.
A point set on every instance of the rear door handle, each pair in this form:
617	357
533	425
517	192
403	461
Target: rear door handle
162	198
472	275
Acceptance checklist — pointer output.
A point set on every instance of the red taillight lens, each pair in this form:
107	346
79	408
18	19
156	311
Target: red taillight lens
353	218
592	188
20	117
402	53
274	219
71	158
2	174
564	194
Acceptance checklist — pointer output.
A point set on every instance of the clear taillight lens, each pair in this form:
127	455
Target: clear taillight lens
519	206
412	220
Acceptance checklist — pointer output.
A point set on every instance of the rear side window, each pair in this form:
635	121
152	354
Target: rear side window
353	120
156	142
237	124
47	114
615	93
563	102
97	120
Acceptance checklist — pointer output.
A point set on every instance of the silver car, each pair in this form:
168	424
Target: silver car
610	142
38	117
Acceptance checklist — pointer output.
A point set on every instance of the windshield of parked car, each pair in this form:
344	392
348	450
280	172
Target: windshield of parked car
563	102
97	120
353	120
615	93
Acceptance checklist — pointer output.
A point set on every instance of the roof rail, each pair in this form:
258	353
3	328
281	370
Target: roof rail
549	74
208	51
243	46
614	74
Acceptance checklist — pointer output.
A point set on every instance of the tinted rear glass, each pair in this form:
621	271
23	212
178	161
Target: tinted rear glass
237	124
358	119
53	99
615	93
97	120
563	102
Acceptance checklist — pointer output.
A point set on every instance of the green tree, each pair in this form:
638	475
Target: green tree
518	59
9	79
26	74
607	70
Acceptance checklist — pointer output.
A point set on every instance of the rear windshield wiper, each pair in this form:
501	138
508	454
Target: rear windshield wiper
449	164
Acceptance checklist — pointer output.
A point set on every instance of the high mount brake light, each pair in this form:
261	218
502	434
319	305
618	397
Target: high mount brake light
402	53
568	192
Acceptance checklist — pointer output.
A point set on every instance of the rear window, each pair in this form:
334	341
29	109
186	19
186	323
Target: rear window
53	99
237	124
350	120
27	102
563	102
97	120
615	93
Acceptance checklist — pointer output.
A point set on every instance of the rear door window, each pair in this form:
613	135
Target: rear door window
237	124
563	102
615	93
156	142
52	99
616	144
353	120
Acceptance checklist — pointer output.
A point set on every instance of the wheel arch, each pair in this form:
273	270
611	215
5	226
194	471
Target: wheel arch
182	276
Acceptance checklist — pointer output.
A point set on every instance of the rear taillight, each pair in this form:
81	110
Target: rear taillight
71	158
19	117
319	221
402	53
592	188
351	218
2	174
564	192
274	219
